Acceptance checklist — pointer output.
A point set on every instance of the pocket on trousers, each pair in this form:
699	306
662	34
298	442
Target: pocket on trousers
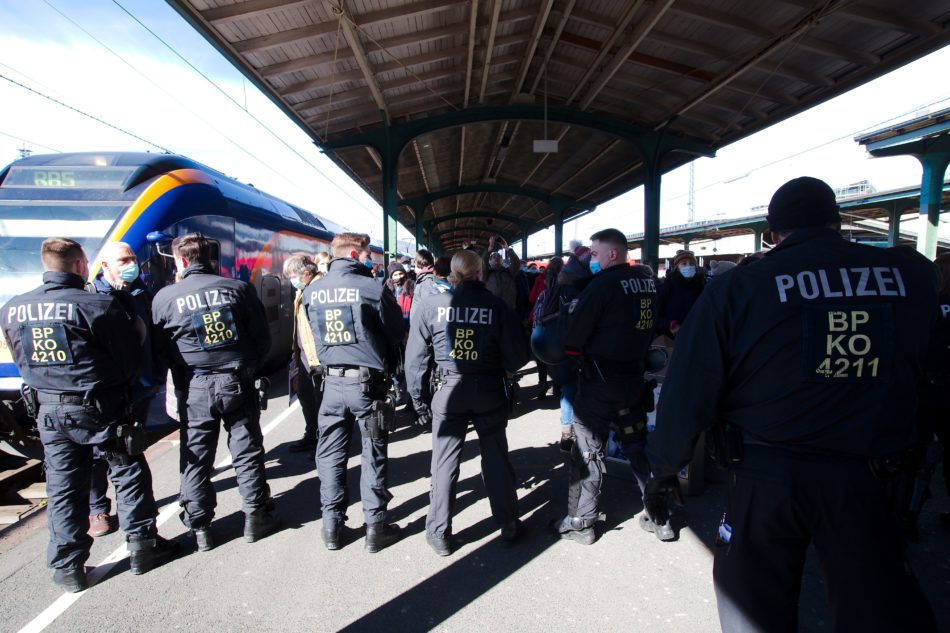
229	397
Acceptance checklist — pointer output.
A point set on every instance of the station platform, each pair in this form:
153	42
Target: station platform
627	581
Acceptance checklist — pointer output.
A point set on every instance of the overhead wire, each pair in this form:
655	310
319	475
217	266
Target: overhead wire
247	112
25	140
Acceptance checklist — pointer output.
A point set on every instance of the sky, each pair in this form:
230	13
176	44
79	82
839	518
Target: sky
105	59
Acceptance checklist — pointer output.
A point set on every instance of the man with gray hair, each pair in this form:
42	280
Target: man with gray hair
119	277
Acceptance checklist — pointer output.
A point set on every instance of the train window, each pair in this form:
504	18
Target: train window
215	247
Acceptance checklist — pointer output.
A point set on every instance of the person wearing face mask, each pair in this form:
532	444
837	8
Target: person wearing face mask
677	294
119	277
78	352
402	288
608	329
301	271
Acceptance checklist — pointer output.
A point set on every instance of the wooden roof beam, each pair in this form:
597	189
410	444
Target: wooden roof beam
326	59
248	9
489	48
605	47
349	32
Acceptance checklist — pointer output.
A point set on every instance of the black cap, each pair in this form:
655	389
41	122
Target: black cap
802	203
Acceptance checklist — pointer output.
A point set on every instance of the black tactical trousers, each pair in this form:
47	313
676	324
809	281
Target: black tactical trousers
99	502
343	404
481	401
310	397
213	400
780	502
597	406
69	433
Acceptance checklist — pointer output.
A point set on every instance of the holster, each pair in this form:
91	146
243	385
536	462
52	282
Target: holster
382	418
512	394
372	382
728	445
262	386
130	442
30	400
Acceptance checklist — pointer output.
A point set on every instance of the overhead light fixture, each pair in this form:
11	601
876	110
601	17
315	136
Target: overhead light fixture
545	145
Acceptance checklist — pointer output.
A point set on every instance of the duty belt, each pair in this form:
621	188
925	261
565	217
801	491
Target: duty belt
342	372
78	397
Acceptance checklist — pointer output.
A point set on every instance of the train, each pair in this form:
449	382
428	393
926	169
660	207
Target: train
145	200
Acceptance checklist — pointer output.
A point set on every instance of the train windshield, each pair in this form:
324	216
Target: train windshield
25	224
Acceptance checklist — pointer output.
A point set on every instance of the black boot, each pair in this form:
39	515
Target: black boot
204	537
442	545
510	533
145	554
259	524
380	536
71	579
575	529
331	536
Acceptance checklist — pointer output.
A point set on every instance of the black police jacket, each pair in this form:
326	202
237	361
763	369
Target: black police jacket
210	322
467	331
137	300
938	352
613	318
817	348
65	339
355	321
675	298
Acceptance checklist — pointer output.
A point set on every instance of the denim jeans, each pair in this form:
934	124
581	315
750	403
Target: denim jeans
567	405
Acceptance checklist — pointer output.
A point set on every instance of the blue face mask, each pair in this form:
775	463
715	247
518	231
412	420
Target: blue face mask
368	263
595	267
296	283
129	272
688	272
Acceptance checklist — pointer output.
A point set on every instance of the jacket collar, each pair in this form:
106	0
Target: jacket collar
806	235
64	279
197	269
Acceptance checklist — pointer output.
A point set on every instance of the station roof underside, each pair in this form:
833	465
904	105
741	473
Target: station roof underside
861	216
627	85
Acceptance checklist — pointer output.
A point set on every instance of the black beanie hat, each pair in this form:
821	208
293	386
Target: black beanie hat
802	203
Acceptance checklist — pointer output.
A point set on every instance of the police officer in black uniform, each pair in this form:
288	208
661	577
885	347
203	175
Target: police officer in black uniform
935	392
811	356
609	327
475	340
356	322
80	353
214	332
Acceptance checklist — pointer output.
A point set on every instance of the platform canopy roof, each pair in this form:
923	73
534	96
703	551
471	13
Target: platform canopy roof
632	88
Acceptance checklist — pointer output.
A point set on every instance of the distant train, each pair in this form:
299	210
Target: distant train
97	198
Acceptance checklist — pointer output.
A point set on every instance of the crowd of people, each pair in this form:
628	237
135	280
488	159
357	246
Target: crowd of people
804	364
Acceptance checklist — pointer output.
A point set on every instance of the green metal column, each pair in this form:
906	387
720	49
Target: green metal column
685	245
390	202
419	212
651	218
893	224
524	246
931	194
558	231
757	241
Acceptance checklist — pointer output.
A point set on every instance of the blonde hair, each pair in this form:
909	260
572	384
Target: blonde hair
345	243
466	266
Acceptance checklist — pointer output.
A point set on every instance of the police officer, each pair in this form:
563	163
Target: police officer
609	327
475	340
80	353
355	323
215	335
812	355
119	276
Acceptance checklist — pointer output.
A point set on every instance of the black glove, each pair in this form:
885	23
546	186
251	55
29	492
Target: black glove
423	414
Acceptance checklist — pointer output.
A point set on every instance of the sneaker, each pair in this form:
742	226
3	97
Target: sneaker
331	536
380	536
510	532
102	524
303	445
664	531
440	544
204	537
145	554
71	579
259	524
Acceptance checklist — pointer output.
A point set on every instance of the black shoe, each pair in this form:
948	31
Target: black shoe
331	536
259	524
380	536
573	529
510	533
566	443
71	579
664	531
440	544
145	554
303	445
205	538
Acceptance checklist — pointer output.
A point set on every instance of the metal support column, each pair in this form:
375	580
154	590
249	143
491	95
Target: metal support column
524	246
931	194
685	245
757	241
651	218
893	224
419	211
558	231
390	168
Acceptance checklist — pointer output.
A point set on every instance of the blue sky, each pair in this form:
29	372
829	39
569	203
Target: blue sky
145	88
